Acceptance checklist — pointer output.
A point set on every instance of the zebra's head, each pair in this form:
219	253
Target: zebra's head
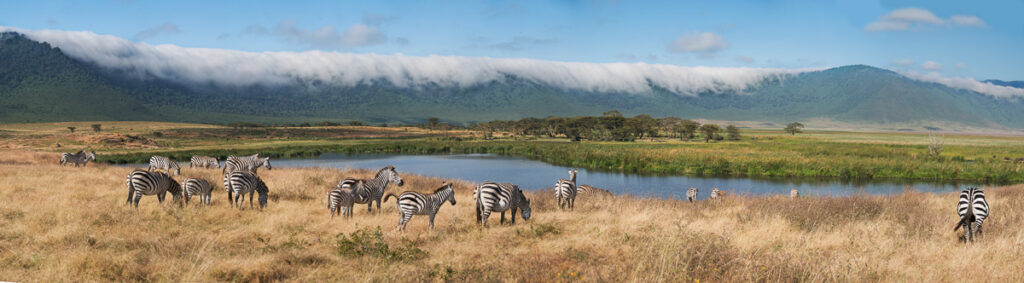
447	188
572	174
393	176
266	162
176	191
524	205
91	155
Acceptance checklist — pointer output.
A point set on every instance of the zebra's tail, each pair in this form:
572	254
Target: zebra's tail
390	195
968	218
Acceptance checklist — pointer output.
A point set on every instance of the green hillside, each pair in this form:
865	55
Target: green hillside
38	83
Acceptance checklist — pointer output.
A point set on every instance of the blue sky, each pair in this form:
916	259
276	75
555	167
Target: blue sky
952	38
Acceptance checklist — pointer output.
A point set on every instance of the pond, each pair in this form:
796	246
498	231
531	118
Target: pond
533	175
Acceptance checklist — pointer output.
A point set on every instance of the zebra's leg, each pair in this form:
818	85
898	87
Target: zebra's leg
405	217
378	205
131	193
432	220
160	197
138	197
484	214
513	216
369	206
502	218
251	198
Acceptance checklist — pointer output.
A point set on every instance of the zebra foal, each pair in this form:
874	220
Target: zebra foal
414	203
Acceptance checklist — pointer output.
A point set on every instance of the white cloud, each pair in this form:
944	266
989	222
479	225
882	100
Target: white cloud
166	28
903	62
705	43
745	59
931	66
238	68
327	36
968	84
960	66
908	18
967	21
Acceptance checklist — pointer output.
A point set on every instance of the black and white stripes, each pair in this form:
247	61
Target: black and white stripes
198	187
203	162
414	203
164	163
972	209
246	163
241	183
151	183
691	194
565	191
369	191
499	197
340	201
79	158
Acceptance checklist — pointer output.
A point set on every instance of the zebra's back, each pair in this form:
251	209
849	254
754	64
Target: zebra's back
972	200
691	194
241	183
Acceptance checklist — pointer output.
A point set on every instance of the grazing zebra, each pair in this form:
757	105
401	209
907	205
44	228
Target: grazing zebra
499	197
241	183
565	191
591	191
973	209
714	193
148	183
369	191
793	193
340	201
160	162
79	158
198	187
414	203
245	163
691	194
204	162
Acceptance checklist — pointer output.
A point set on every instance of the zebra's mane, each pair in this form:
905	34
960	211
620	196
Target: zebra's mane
389	167
438	190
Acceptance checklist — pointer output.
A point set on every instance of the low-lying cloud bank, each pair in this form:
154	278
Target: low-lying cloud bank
968	84
239	68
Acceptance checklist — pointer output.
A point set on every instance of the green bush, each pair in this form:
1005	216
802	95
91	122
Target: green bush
366	242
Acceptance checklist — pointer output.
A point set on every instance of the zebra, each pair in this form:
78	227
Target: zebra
691	194
244	182
414	203
972	209
591	191
198	187
141	182
79	158
160	162
245	163
499	197
340	201
565	191
369	191
793	193
204	162
715	192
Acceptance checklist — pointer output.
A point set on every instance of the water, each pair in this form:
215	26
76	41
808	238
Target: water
532	175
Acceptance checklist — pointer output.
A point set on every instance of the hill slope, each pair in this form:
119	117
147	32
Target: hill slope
40	83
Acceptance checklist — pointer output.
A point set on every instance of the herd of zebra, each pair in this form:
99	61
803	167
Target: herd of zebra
240	177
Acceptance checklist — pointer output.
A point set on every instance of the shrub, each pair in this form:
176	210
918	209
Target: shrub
365	242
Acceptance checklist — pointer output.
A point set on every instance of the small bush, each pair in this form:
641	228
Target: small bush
365	242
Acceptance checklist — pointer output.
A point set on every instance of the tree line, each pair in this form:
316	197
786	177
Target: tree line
611	126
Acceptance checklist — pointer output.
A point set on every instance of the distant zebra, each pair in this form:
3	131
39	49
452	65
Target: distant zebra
414	203
691	194
714	193
204	162
499	197
247	163
79	158
369	191
972	209
198	187
160	162
591	191
151	183
565	191
793	193
340	201
241	183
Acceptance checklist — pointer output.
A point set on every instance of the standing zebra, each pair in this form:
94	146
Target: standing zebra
793	193
151	183
565	191
591	191
198	187
369	191
245	163
714	193
244	182
973	209
204	162
414	203
340	201
160	162
79	158
691	194
499	197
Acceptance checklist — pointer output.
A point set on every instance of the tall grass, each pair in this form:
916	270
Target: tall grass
70	224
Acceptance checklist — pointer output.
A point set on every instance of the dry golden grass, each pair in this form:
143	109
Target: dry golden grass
71	224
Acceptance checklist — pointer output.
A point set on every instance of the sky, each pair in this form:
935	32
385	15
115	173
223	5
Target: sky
951	39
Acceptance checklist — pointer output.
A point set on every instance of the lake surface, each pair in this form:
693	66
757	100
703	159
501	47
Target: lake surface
532	175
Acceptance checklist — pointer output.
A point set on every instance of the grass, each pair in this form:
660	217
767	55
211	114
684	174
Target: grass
70	224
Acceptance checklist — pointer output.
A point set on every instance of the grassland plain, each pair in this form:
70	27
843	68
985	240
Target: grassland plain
71	224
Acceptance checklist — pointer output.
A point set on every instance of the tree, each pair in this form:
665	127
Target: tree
733	132
709	131
668	124
794	128
686	129
643	125
935	145
72	129
97	127
432	121
613	113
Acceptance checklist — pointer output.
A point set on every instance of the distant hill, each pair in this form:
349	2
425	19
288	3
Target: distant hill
39	83
1016	84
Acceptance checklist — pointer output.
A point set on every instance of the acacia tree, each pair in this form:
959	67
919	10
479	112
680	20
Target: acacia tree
72	129
709	131
97	127
686	129
732	132
432	121
794	128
